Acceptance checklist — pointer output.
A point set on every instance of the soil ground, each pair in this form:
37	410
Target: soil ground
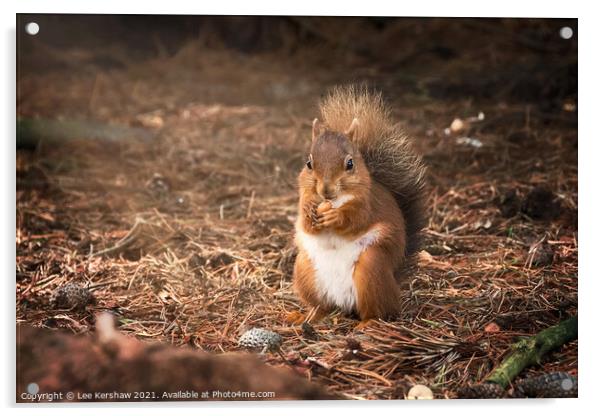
207	204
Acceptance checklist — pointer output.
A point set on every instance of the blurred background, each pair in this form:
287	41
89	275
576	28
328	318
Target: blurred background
157	159
520	59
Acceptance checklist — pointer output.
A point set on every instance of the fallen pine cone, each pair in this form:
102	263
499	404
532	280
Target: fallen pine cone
71	296
541	254
552	385
259	338
482	391
308	331
541	204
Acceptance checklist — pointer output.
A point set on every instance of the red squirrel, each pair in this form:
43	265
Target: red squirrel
361	208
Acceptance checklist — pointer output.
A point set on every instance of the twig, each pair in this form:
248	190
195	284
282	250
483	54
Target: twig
128	239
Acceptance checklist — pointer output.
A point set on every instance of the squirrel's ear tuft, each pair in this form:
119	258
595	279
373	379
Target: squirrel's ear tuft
315	129
352	130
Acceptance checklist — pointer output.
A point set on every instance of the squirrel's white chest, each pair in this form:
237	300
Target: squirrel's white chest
334	258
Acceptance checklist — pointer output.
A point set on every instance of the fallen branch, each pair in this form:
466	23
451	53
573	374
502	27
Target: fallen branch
530	351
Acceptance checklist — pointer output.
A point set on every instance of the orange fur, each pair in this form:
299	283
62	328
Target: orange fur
377	289
372	204
303	282
362	163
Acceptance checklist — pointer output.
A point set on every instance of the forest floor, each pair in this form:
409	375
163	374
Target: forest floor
207	206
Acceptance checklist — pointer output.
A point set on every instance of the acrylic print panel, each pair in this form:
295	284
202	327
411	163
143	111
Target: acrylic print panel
186	231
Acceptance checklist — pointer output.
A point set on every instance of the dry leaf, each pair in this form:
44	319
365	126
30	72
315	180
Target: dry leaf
492	327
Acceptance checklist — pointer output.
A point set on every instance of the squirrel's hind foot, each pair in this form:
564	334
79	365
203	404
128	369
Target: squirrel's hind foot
365	323
297	318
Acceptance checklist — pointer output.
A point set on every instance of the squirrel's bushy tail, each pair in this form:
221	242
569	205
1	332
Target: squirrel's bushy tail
386	151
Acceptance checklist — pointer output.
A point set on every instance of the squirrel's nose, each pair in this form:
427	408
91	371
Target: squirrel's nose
325	191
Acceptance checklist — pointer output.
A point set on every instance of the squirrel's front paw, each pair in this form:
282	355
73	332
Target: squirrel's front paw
328	216
310	212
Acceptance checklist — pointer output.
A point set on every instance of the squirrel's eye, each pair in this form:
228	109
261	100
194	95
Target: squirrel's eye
308	164
349	164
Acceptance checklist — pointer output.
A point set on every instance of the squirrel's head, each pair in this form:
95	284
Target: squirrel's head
334	165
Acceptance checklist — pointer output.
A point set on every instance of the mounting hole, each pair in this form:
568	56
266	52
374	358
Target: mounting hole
566	32
32	28
33	388
567	384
